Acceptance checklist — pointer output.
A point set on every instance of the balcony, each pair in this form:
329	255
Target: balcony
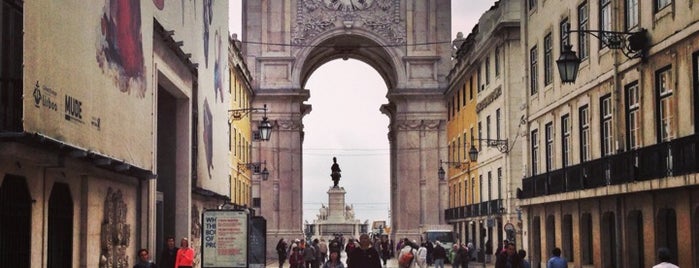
486	208
673	158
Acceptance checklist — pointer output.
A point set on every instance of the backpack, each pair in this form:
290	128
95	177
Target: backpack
406	259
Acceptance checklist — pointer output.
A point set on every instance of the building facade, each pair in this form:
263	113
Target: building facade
240	128
110	114
484	111
611	159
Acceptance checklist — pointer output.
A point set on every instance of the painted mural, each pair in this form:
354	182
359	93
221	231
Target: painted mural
208	137
160	4
218	67
208	18
120	49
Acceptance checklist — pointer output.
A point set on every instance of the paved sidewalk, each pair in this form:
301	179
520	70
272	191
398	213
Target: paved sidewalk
392	263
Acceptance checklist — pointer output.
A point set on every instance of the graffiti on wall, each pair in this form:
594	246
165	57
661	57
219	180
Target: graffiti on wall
115	233
120	50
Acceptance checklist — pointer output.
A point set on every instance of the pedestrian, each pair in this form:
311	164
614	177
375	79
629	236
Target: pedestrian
439	254
309	255
664	258
430	248
422	256
296	257
281	252
385	248
316	251
323	250
406	256
556	261
144	260
169	253
462	252
522	254
364	256
489	249
334	261
185	255
455	258
509	258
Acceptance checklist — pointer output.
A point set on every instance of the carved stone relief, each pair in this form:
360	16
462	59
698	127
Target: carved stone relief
195	233
115	233
380	16
289	124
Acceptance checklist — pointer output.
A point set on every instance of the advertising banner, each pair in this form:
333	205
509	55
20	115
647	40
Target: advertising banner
225	238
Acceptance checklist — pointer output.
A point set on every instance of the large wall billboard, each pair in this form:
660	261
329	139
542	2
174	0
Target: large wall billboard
90	80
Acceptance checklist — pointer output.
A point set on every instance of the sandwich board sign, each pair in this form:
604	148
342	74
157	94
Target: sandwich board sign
224	238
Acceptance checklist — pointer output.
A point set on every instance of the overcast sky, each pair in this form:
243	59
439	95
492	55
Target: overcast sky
346	123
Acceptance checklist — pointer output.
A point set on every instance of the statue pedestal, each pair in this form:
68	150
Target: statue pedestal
336	205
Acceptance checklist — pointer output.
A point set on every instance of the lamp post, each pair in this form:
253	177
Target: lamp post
255	166
502	146
632	45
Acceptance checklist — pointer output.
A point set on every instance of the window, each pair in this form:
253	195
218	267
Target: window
497	123
631	14
633	117
465	147
605	20
586	247
584	134
606	125
473	190
230	134
532	71
11	54
565	140
490	185
470	90
548	60
458	152
480	134
487	70
487	127
531	4
665	104
535	151
458	100
583	41
497	61
449	110
480	81
660	4
565	36
499	183
549	146
463	99
235	141
480	186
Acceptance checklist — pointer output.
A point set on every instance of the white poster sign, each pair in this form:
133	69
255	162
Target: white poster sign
225	238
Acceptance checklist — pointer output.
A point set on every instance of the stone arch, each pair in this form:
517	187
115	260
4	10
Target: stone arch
284	42
360	45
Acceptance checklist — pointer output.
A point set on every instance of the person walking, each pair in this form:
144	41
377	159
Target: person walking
509	258
664	257
522	256
185	255
296	257
556	261
169	253
144	260
323	250
309	255
439	254
334	261
385	248
421	256
463	258
281	252
455	258
364	256
406	256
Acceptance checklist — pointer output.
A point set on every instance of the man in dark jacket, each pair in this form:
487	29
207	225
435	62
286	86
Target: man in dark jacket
168	255
439	254
365	256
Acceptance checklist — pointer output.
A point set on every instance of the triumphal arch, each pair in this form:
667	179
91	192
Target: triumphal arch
406	41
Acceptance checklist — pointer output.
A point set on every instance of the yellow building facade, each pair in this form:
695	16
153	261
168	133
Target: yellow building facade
241	138
483	101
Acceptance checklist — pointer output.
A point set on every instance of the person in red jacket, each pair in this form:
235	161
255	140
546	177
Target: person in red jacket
185	255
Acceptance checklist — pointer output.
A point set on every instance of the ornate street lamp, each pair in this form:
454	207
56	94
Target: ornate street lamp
632	45
264	128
